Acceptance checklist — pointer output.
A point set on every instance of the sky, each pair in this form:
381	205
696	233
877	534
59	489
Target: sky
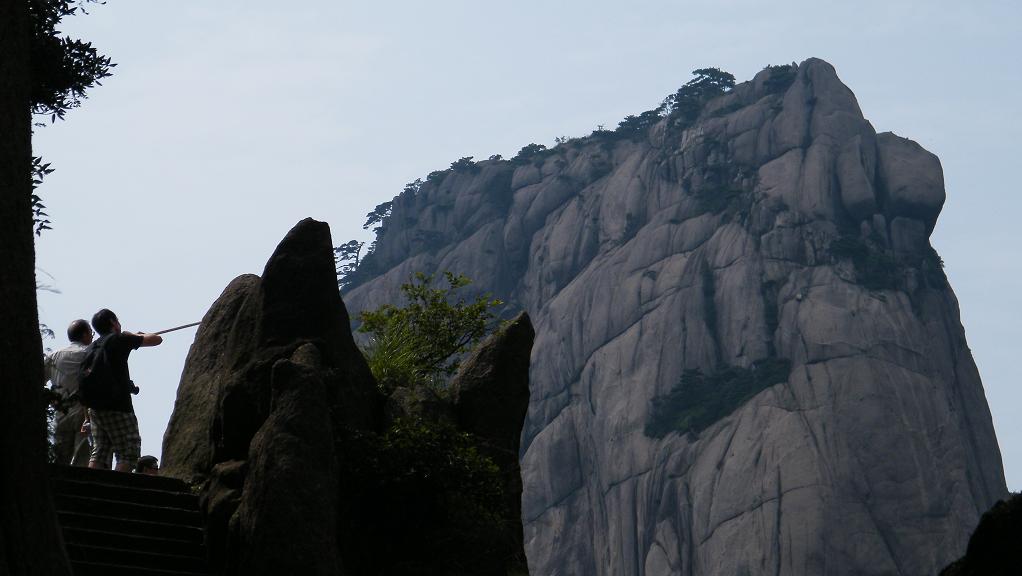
227	122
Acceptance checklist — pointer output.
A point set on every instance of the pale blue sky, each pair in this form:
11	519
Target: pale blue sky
227	122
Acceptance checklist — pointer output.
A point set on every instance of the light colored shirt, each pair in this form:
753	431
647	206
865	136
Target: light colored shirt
62	369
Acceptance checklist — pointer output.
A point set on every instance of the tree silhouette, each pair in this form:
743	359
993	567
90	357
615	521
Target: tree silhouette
43	74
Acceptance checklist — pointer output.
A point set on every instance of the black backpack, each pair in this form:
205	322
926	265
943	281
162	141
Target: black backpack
96	377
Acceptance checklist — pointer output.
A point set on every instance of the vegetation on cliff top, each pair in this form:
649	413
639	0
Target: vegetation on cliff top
680	109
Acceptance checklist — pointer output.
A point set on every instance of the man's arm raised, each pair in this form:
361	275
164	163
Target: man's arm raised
151	339
147	338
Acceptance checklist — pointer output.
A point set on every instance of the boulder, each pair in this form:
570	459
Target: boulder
271	384
994	547
287	517
491	397
221	338
912	179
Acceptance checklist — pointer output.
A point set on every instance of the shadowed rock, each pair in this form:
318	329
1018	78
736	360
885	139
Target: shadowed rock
994	547
222	336
491	397
287	519
270	384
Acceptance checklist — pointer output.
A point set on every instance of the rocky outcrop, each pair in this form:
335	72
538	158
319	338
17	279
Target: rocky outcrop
490	399
994	546
775	226
271	384
301	469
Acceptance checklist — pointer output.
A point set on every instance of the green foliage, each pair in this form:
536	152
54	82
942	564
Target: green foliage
437	176
781	78
62	68
875	267
378	215
699	400
40	218
347	257
432	499
465	165
685	104
636	126
413	187
528	153
413	450
394	360
422	342
720	191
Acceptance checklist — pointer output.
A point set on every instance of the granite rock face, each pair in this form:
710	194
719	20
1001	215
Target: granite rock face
270	382
778	224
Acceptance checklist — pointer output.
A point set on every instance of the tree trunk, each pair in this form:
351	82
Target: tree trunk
30	539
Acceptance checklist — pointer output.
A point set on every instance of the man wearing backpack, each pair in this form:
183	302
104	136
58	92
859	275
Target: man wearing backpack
108	388
70	444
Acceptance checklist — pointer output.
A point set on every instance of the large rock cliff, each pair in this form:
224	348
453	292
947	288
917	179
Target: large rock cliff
774	224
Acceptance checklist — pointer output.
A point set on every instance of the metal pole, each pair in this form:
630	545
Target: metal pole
177	328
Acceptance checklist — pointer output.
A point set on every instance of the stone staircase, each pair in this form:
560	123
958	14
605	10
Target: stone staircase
118	524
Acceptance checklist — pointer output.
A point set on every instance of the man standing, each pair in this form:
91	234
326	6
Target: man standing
70	444
115	428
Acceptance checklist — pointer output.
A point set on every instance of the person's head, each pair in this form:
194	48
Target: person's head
147	465
79	331
105	322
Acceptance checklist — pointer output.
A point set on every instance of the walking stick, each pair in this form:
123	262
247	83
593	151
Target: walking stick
177	328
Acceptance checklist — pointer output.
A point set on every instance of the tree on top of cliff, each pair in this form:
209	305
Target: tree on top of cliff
378	215
688	101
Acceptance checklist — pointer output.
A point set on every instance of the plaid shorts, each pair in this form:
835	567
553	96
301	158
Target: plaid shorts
115	433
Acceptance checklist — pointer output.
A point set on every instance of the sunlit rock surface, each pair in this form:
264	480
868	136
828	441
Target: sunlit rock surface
877	456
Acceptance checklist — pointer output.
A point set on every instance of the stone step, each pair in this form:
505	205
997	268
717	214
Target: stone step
148	496
143	481
125	557
128	510
79	520
100	569
89	537
117	523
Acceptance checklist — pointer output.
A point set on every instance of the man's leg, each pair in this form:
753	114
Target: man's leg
83	449
101	447
63	437
122	428
76	442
